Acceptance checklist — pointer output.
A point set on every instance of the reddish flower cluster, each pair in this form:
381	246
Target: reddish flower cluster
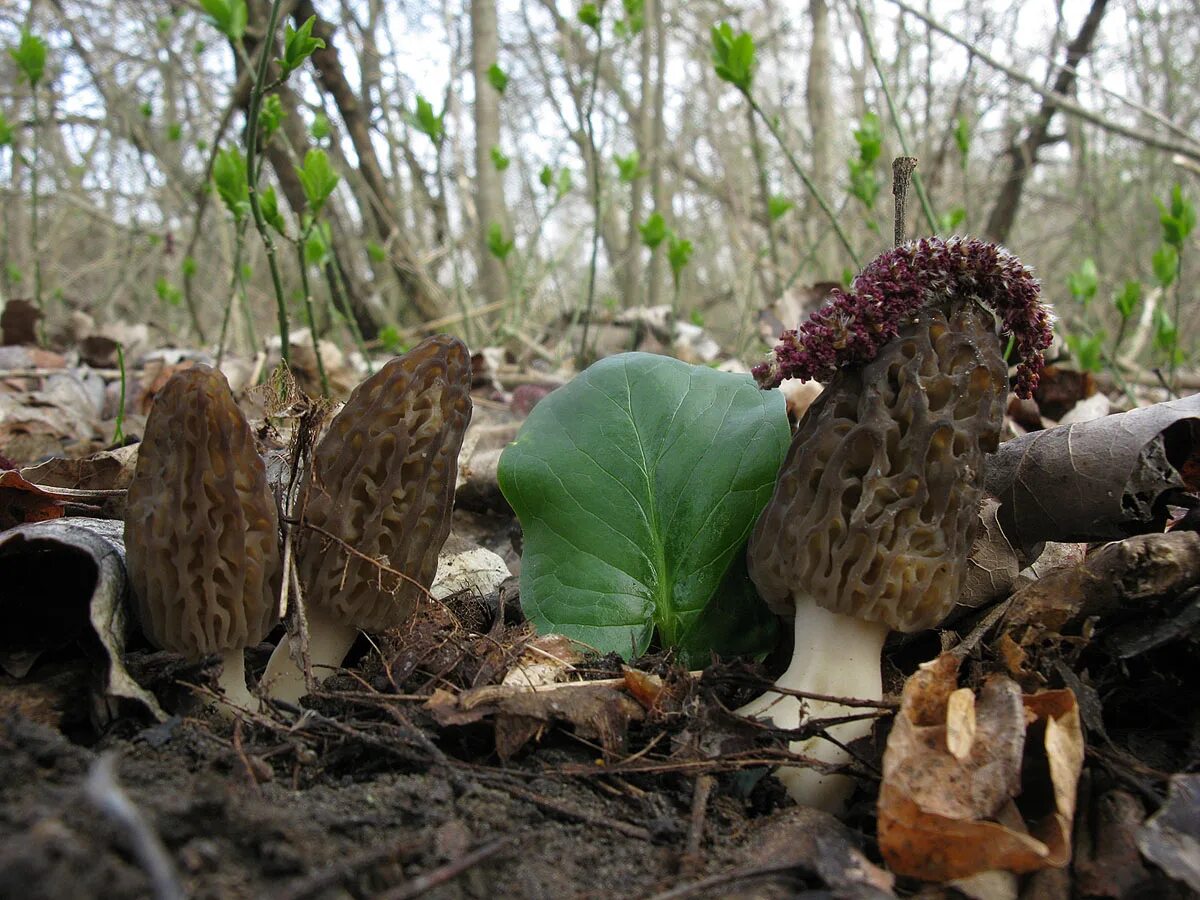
854	324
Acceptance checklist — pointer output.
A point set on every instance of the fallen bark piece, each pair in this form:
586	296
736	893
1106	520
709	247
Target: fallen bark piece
1105	479
1125	575
998	795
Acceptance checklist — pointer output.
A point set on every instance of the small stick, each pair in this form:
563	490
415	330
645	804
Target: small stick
337	873
902	170
439	876
700	794
105	793
733	876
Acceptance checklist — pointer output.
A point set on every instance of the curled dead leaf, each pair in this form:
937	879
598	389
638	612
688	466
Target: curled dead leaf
950	808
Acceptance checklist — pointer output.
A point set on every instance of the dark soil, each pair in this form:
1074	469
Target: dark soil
367	798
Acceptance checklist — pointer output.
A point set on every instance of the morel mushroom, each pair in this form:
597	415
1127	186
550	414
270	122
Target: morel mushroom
201	528
876	503
375	506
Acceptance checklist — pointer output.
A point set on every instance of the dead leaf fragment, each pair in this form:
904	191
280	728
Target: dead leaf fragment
814	841
1171	837
77	566
519	715
1094	481
947	815
22	501
19	321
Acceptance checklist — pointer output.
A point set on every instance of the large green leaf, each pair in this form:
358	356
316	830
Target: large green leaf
636	485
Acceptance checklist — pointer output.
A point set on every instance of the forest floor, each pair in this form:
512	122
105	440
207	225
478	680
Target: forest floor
423	769
370	797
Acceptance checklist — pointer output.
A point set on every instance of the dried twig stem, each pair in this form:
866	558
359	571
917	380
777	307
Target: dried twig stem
107	795
902	171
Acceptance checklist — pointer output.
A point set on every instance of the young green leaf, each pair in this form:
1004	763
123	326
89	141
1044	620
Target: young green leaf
546	177
733	56
317	245
499	159
167	292
1087	351
962	138
869	137
268	202
317	178
229	175
320	128
634	21
589	15
1126	301
1083	283
392	340
679	251
174	132
30	57
628	167
1166	264
864	185
778	207
653	230
426	121
229	17
1166	335
563	187
949	221
6	131
498	245
497	78
270	117
298	45
1178	220
636	486
146	109
187	268
375	252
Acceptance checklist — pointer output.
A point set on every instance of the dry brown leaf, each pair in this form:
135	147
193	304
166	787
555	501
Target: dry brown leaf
19	321
943	816
992	564
1094	481
547	659
597	712
22	501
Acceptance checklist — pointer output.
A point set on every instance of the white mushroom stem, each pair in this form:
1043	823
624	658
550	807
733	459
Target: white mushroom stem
838	656
232	682
329	640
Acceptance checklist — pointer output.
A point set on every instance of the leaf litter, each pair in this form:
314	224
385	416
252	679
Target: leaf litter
462	754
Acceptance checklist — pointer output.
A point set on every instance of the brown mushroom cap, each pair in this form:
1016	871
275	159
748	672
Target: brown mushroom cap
382	482
876	503
201	527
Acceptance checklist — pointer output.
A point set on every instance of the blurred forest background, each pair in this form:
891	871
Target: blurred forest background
506	165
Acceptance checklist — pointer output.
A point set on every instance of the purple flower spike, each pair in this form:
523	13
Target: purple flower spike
854	324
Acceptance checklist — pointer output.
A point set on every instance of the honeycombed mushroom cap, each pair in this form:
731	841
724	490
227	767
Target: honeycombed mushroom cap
382	484
876	503
201	526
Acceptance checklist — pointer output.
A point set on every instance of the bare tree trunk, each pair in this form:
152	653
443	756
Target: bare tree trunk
489	183
419	288
662	203
819	100
648	151
1023	154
